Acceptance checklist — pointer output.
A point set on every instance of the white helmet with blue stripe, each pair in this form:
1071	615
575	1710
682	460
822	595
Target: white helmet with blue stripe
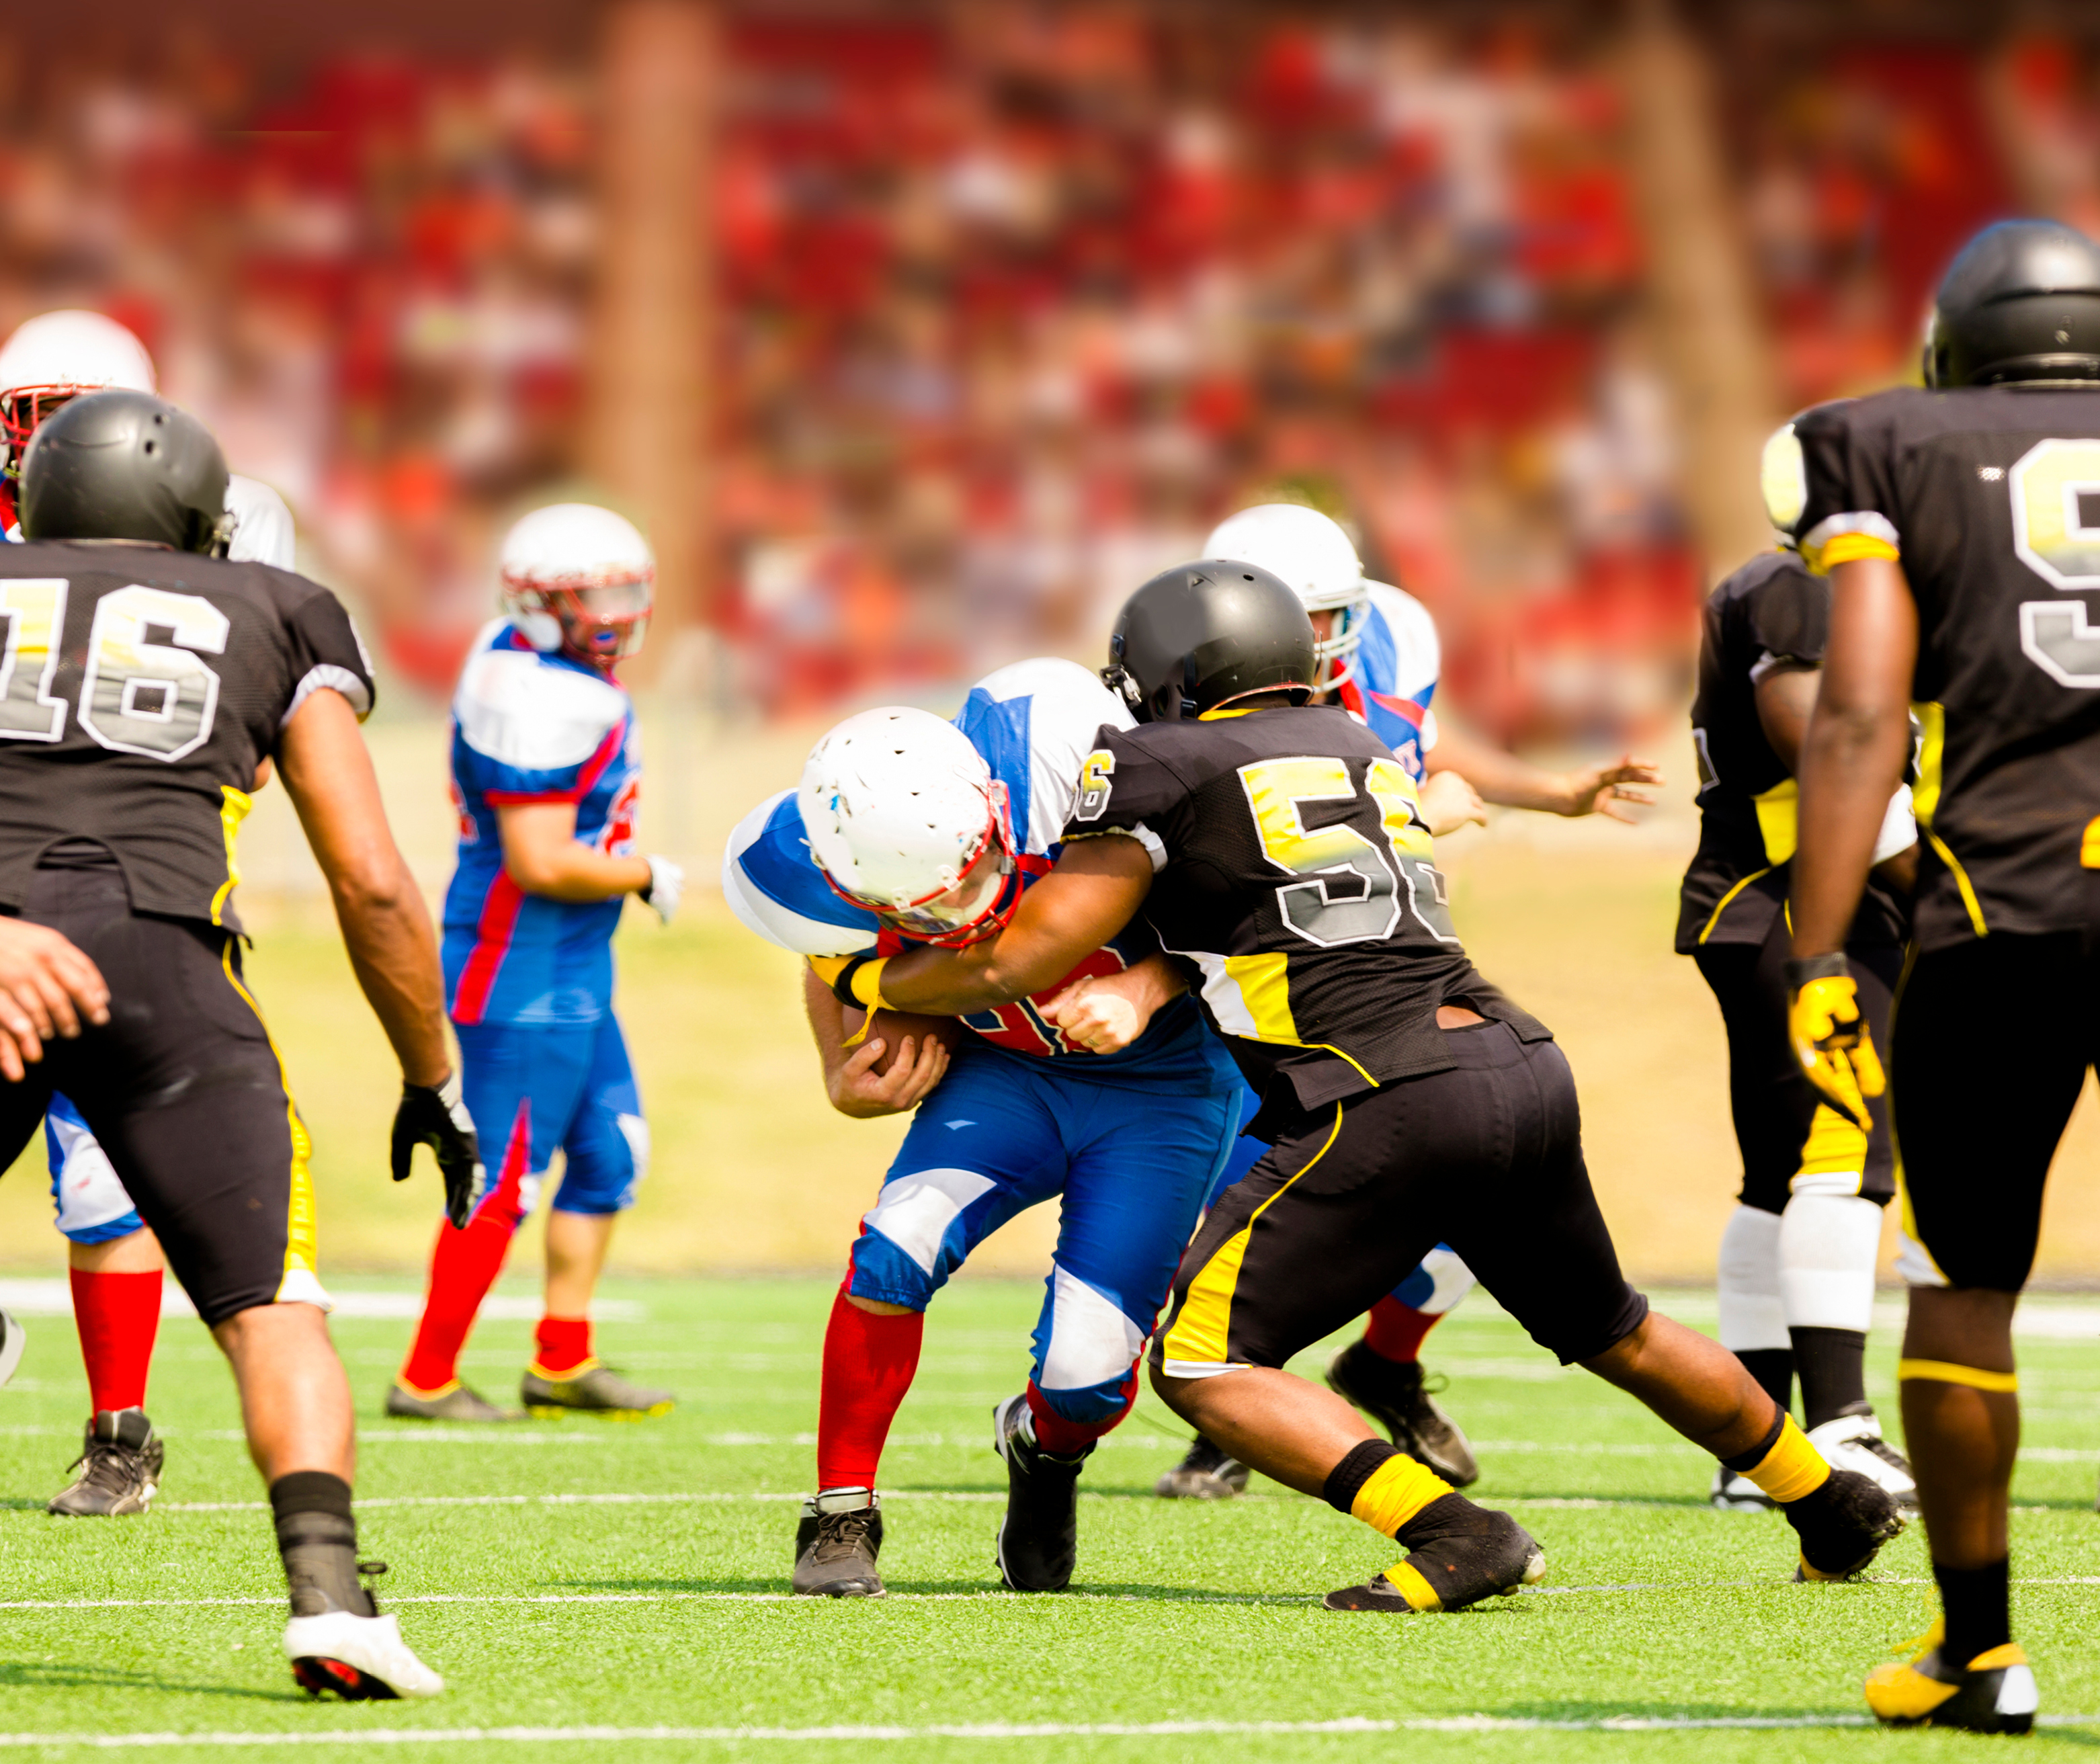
1312	556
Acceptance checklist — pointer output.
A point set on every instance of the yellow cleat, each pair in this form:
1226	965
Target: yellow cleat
1994	1693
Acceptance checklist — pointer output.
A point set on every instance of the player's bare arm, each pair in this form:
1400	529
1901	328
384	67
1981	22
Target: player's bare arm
1851	757
47	986
543	856
1095	891
1105	1013
1449	801
853	1078
1786	698
1612	791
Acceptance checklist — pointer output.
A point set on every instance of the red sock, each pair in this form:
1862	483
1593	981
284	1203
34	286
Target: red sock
464	1266
118	1316
869	1361
1063	1438
564	1343
1395	1331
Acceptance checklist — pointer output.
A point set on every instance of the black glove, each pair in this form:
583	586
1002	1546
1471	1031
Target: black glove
435	1117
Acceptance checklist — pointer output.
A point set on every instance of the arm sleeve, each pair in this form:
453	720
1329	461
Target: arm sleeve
327	652
1124	788
1848	509
1790	617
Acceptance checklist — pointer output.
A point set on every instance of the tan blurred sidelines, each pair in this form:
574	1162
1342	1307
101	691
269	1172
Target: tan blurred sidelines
752	1171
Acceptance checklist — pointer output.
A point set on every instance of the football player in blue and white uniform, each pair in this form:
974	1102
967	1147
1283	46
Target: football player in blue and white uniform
546	762
908	829
115	1264
1378	656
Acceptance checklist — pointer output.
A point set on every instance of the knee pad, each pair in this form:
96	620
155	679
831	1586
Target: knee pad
1828	1245
1753	1316
1086	1355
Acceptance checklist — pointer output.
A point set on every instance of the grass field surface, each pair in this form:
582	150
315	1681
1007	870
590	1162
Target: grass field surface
604	1589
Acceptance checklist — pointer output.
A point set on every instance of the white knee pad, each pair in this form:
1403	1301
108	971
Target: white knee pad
1827	1243
1751	1317
1449	1280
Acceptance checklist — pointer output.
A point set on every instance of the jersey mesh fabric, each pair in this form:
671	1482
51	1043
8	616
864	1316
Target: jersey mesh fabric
532	727
1990	498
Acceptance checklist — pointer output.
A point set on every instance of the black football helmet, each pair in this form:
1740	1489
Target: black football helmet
2021	302
122	464
1200	635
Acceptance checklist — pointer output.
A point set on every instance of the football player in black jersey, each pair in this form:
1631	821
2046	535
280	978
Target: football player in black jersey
148	687
1960	525
1797	1257
1279	846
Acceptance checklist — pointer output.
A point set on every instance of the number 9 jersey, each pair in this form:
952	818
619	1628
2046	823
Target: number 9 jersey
1989	497
139	690
1294	869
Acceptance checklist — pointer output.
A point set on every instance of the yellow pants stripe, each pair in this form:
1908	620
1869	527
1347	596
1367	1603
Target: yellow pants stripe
301	1221
1203	1327
1946	1372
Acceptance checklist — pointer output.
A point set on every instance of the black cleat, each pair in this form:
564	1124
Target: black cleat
1394	1395
459	1402
1457	1553
1039	1539
118	1471
12	1341
835	1545
593	1389
1842	1525
1205	1474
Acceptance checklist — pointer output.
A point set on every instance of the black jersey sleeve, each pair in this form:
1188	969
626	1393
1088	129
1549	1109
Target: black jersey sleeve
1790	616
1124	788
1849	510
326	652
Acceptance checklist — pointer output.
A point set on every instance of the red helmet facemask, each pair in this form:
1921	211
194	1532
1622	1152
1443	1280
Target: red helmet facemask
604	615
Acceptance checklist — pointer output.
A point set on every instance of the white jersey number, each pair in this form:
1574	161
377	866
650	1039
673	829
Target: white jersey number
2055	490
35	612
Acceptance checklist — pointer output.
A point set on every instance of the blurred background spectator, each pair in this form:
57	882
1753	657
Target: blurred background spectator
1005	304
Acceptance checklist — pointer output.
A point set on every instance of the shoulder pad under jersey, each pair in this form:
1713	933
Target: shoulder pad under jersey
528	711
775	887
1035	722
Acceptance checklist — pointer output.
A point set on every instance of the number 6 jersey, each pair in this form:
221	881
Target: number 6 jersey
139	688
1990	498
1294	870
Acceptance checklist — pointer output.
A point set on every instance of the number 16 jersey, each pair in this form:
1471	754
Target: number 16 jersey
139	688
1989	496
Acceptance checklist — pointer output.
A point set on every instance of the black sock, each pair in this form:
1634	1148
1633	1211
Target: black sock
1832	1365
1773	1369
1978	1609
317	1537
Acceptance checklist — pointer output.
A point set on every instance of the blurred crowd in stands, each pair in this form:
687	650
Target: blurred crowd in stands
1014	302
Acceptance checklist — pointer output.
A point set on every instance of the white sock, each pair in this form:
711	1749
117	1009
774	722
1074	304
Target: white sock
1450	1280
1752	1317
1827	1243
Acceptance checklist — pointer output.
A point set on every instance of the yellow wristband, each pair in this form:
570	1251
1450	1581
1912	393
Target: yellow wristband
866	983
827	969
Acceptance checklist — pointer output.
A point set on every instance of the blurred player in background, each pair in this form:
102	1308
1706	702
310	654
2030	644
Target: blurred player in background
1960	525
546	762
906	829
1379	658
1280	846
154	687
1798	1255
114	1263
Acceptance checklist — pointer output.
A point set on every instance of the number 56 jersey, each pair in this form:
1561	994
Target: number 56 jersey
1294	869
1989	496
139	688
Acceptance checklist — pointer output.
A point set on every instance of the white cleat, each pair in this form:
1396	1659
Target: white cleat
1854	1442
1734	1492
12	1341
360	1659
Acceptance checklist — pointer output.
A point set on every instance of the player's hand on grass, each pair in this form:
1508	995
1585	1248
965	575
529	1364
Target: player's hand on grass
434	1115
1829	1037
47	987
1610	791
667	883
1448	803
1103	1013
858	1090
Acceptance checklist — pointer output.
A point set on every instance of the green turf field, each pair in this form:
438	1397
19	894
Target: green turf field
583	1575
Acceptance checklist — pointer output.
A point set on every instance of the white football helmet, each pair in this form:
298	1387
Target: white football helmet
59	355
580	578
904	819
1315	558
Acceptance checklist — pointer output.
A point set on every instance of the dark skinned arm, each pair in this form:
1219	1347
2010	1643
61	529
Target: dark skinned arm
1852	757
1095	891
1785	700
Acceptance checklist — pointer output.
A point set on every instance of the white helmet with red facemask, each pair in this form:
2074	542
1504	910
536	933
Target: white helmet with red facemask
59	355
904	819
579	578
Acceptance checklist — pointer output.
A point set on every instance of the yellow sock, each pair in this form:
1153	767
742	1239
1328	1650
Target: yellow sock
1792	1468
1394	1492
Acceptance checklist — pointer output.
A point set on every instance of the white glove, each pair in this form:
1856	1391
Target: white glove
667	882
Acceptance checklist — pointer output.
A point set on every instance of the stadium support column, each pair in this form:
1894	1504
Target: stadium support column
649	426
1705	305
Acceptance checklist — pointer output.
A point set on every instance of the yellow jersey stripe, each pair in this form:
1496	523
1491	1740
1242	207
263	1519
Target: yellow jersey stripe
301	1220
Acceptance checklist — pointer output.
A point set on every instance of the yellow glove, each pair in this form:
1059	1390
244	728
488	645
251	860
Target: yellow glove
1829	1037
